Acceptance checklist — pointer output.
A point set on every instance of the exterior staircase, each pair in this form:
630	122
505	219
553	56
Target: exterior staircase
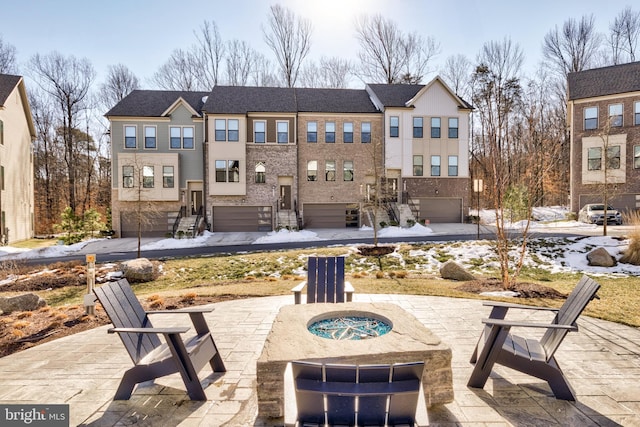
186	227
287	219
406	214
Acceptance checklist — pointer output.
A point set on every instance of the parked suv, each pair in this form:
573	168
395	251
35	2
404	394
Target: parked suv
594	214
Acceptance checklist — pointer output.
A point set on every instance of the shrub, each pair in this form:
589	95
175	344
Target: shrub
379	274
410	223
632	254
189	297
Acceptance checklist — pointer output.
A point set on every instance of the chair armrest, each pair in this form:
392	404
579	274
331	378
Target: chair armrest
348	287
520	306
297	297
176	330
299	287
183	310
500	322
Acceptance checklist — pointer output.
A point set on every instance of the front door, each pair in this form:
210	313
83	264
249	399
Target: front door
285	197
196	201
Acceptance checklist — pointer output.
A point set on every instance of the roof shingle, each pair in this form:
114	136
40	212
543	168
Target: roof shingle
152	103
8	83
604	81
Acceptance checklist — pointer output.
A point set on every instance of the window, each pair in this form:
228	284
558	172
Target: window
283	132
615	115
435	127
613	157
417	166
187	137
167	176
175	138
347	136
127	176
259	132
129	137
347	170
394	126
435	165
180	137
234	171
330	132
312	170
221	171
453	166
330	170
312	132
2	177
636	113
590	118
234	130
453	127
636	156
221	130
417	127
1	132
261	172
149	137
594	162
147	176
365	132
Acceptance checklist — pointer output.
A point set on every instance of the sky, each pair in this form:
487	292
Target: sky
141	34
567	256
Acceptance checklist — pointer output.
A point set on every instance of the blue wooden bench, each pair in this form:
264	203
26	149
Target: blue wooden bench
325	281
152	357
531	356
362	395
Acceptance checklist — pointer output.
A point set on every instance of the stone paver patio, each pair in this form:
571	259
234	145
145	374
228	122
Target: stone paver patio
602	362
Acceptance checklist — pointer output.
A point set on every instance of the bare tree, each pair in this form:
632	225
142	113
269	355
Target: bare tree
456	72
497	92
7	58
209	53
572	48
180	72
241	62
331	72
289	37
261	75
387	55
624	32
120	82
68	81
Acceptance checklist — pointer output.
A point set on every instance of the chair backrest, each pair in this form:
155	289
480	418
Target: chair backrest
325	279
357	394
125	311
568	314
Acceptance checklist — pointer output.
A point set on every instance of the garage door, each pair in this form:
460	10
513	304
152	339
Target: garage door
153	224
318	215
441	210
242	218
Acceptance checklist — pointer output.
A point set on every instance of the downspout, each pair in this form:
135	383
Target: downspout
205	181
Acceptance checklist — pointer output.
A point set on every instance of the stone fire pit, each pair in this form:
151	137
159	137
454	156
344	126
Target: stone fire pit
408	341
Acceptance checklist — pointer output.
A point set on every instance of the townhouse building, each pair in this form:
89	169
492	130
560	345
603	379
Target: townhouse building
265	158
17	133
604	117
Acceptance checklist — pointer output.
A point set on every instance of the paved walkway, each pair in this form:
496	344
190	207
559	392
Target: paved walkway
602	362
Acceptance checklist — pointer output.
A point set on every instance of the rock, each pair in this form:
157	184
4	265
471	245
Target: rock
25	302
454	271
601	258
138	270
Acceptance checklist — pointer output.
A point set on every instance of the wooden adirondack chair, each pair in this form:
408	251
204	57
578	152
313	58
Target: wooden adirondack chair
331	394
531	356
325	281
153	358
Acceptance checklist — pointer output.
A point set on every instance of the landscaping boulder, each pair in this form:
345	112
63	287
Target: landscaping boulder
454	271
25	302
138	270
601	258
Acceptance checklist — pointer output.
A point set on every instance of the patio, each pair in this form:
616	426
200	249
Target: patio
602	362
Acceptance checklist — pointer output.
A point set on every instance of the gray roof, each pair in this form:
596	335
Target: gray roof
245	99
152	103
7	84
334	101
395	95
604	81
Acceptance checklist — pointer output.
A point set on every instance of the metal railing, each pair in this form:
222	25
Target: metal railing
181	213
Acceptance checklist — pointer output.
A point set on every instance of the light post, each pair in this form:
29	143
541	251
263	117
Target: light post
477	188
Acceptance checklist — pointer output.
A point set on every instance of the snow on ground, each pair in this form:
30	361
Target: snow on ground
556	255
